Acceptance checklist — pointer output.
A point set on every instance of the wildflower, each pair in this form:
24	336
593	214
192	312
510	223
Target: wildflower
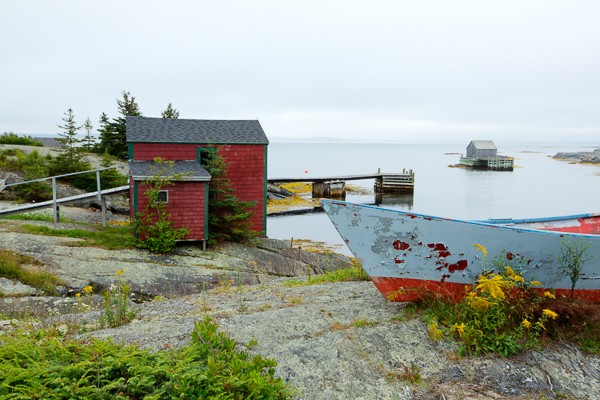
458	328
535	283
479	303
120	272
549	295
492	285
435	332
481	248
509	271
77	294
526	323
540	325
517	278
87	290
549	313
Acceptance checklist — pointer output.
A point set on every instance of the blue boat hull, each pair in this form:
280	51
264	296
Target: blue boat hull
403	252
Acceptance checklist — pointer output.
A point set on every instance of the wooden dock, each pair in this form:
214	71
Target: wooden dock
334	186
498	163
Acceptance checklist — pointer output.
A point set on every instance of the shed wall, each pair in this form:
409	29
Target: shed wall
472	151
186	204
247	173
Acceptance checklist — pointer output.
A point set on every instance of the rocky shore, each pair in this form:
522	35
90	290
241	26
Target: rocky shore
583	156
332	341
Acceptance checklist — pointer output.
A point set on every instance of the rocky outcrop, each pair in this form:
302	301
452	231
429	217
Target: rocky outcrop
188	270
583	156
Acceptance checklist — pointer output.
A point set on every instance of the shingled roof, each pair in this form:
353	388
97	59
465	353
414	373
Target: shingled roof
170	130
190	169
484	144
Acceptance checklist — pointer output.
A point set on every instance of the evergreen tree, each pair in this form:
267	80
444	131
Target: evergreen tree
88	141
228	216
68	138
170	112
113	133
70	158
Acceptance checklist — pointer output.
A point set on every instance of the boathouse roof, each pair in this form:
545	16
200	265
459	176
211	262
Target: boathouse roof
483	144
191	170
171	130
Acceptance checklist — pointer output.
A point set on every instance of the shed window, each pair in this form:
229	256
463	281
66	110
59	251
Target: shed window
163	196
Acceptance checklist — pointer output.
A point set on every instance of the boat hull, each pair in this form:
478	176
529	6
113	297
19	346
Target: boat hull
408	255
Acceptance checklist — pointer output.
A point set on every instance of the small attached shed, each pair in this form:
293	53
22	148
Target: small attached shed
242	143
186	198
482	149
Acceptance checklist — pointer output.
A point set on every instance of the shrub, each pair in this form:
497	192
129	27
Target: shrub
502	314
13	138
47	365
154	226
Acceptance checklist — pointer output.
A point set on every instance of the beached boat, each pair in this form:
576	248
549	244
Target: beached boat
406	254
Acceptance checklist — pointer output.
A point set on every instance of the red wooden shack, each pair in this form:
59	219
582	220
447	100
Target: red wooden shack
242	143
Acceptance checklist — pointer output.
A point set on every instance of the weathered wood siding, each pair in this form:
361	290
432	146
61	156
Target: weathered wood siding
186	204
473	151
246	169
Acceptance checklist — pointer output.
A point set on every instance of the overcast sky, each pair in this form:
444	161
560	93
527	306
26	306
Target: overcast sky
400	70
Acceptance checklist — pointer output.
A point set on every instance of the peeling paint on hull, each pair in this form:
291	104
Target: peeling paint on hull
406	254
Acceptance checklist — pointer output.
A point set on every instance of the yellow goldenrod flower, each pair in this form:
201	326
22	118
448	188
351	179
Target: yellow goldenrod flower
479	303
435	332
87	290
458	328
481	248
77	294
509	271
540	325
517	278
549	295
120	272
492	285
526	323
549	313
535	283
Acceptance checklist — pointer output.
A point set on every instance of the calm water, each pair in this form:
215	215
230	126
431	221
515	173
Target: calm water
539	186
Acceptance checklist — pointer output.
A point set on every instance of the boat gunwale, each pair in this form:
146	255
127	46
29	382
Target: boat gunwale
497	225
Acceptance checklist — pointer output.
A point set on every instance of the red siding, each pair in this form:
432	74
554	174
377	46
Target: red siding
246	168
185	204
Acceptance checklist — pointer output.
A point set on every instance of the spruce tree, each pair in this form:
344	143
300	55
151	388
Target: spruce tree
88	141
228	216
70	158
170	112
113	133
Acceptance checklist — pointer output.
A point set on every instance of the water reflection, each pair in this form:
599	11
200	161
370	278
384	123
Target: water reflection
402	200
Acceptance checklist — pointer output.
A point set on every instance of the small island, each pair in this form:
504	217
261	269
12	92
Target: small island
592	157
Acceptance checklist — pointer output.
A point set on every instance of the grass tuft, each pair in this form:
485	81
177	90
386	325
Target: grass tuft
341	275
11	267
111	238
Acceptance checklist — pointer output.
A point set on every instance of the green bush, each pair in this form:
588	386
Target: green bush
46	365
505	314
13	138
154	227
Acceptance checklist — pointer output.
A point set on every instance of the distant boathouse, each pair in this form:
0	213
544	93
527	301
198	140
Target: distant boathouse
483	154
